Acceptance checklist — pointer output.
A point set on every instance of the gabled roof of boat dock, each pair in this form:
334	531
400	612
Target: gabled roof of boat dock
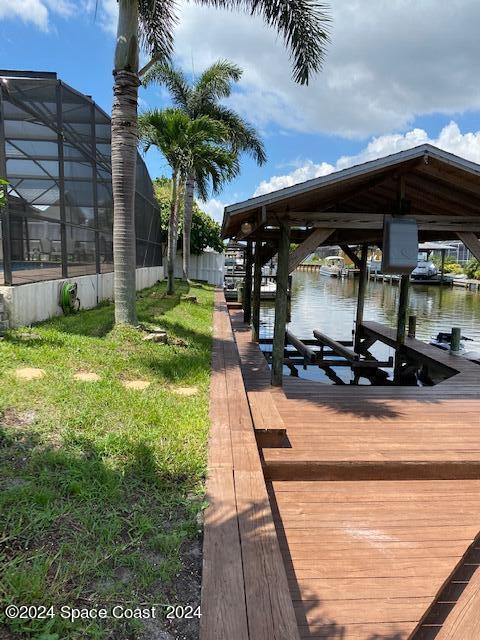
439	189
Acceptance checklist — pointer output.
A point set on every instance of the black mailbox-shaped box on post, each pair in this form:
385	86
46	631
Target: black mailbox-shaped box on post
400	245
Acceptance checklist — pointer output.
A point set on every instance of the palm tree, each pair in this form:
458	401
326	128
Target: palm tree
203	98
189	146
303	25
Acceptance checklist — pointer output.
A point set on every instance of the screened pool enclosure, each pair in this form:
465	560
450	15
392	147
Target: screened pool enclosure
55	155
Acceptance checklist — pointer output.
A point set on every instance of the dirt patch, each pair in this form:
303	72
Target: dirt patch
86	376
185	592
185	391
152	632
19	419
138	385
29	373
28	336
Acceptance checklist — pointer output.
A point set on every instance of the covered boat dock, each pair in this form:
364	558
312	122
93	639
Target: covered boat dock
371	529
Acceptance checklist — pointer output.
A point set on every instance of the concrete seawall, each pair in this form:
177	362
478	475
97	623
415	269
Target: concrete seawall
37	301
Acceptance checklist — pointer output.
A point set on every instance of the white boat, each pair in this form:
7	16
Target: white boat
333	267
374	265
268	290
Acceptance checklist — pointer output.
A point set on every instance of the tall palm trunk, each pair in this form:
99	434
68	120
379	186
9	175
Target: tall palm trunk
124	158
187	223
172	235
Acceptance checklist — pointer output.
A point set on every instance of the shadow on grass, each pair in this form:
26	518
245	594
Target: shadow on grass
98	322
80	527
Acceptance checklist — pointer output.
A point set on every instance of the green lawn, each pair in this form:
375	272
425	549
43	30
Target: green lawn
101	486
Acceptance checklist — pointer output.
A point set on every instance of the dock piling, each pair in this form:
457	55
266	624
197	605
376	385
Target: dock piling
247	290
455	341
257	286
362	287
401	323
280	305
412	326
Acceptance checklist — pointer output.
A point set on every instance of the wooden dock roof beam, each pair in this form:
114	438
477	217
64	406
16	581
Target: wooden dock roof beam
472	243
251	227
314	240
348	251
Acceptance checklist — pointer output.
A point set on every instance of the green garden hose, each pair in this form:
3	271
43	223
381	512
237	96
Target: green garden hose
68	298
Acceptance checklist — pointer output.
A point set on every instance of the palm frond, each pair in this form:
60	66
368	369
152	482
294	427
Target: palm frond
205	128
165	129
215	82
190	144
242	135
213	166
157	22
173	79
302	23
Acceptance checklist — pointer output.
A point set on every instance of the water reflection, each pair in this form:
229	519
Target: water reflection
329	304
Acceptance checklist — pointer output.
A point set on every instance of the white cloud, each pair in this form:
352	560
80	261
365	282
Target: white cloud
106	13
450	138
214	208
36	12
27	10
307	171
388	62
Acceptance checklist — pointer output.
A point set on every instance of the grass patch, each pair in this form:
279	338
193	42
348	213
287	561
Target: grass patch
101	486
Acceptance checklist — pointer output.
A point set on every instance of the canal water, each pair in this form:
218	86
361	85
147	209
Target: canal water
329	305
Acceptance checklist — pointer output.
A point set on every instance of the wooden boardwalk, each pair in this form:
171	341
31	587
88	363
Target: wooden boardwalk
245	593
375	495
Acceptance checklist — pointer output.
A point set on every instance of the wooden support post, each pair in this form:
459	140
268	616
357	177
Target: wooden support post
362	287
412	326
442	268
257	285
455	339
247	290
401	321
280	306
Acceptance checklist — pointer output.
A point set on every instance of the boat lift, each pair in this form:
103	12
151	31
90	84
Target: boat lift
330	353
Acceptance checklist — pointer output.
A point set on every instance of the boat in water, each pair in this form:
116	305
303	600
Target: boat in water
425	269
333	267
268	288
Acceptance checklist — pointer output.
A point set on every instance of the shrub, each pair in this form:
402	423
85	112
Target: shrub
453	267
472	269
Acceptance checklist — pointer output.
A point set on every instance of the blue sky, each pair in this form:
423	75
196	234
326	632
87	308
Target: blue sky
396	75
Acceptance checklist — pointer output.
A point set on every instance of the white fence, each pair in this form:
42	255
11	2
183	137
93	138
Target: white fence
209	267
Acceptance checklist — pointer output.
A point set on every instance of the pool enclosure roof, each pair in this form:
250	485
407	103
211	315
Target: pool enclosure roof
440	190
55	153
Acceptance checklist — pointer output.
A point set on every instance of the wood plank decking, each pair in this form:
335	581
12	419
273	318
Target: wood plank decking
245	594
375	497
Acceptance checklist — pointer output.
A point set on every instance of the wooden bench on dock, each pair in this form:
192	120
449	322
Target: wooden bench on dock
268	424
245	593
270	429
